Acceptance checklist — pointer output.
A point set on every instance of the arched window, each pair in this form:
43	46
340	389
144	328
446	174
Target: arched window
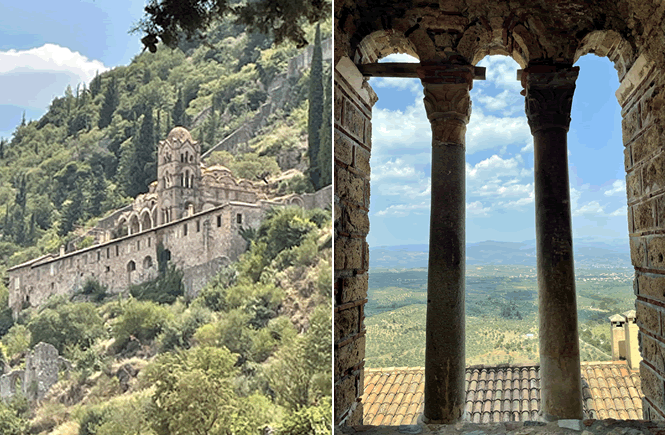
131	266
187	179
147	262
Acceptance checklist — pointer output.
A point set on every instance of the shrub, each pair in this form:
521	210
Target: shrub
67	325
164	289
313	420
179	332
91	420
16	340
96	290
142	320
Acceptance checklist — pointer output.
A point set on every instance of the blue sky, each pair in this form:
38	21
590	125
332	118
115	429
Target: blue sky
47	45
499	158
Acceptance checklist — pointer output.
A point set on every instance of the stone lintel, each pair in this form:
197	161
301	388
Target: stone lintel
405	70
633	78
349	71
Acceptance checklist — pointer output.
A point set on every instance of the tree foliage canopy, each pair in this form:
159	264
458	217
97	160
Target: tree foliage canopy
169	19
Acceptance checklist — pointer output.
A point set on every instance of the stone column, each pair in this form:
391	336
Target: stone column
549	96
448	107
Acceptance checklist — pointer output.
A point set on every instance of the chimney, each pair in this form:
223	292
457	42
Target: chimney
62	250
618	337
632	346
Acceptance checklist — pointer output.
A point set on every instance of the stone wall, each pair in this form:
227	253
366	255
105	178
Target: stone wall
196	245
352	128
645	185
42	368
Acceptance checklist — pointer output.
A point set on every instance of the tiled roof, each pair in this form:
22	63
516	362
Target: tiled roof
395	396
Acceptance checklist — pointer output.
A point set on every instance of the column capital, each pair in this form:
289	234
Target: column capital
447	100
549	93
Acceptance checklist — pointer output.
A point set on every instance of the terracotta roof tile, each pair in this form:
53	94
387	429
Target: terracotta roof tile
501	393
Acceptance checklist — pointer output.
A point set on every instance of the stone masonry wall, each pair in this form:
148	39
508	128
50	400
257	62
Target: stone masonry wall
352	129
645	188
209	237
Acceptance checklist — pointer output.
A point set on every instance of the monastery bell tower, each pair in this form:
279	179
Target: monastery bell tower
178	176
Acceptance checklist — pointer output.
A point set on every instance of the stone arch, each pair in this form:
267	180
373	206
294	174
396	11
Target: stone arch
610	44
122	229
297	201
131	272
147	262
134	224
146	220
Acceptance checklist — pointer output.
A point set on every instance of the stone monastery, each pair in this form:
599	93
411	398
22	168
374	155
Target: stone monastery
191	216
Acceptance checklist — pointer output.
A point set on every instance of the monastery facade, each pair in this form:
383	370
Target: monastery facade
191	216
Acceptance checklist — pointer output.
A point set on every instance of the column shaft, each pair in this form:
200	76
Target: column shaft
548	103
448	107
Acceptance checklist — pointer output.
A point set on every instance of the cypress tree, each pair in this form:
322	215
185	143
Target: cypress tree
179	110
95	85
315	118
111	100
145	153
324	159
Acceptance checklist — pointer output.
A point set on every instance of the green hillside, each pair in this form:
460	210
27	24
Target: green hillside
95	148
501	314
252	352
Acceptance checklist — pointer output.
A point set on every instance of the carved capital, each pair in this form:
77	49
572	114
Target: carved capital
549	95
447	100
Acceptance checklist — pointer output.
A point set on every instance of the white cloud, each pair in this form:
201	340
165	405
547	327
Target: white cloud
401	84
476	208
618	187
400	58
590	208
397	168
33	77
528	148
501	72
401	210
486	132
621	211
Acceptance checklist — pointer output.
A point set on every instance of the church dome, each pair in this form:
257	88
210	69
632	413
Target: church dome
180	133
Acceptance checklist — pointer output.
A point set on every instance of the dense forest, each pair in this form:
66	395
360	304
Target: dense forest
253	349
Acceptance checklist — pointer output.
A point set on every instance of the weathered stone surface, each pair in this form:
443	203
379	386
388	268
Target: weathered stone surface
354	121
646	144
643	216
638	252
354	288
349	356
351	187
656	252
343	148
648	317
653	351
361	160
356	221
634	185
630	125
627	158
346	323
653	174
652	386
651	286
42	366
345	393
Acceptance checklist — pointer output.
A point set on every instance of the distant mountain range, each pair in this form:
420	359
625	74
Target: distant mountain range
588	252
